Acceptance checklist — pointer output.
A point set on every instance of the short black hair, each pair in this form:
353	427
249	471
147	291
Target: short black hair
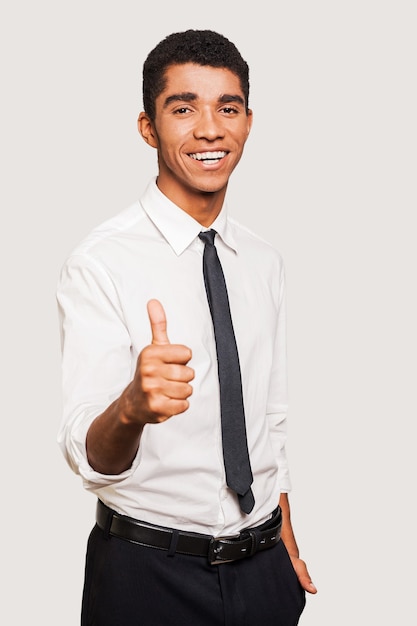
203	47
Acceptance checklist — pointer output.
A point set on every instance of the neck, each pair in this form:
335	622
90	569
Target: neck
203	206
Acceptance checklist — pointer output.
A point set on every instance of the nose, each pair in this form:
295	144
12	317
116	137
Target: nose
208	126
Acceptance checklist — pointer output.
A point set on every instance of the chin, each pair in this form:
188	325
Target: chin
210	186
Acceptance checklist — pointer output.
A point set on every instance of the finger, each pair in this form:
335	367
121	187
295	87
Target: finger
158	322
308	585
303	575
174	407
178	373
178	391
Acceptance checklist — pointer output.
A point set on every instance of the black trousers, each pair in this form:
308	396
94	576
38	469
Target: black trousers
130	585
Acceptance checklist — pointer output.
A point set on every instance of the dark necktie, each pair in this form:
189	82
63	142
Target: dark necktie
235	448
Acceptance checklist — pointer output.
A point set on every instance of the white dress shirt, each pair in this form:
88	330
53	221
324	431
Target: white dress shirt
152	250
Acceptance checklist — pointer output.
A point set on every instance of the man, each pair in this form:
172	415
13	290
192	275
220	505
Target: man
176	540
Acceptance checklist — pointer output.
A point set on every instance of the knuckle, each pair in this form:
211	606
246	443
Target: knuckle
156	407
149	385
145	353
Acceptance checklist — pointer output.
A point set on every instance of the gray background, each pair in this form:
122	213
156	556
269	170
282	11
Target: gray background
328	176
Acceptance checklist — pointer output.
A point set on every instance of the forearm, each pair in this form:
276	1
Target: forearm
112	440
287	533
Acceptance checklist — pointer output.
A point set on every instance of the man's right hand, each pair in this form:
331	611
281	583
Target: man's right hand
161	385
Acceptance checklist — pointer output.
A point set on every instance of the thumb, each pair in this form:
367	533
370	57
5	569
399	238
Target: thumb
158	322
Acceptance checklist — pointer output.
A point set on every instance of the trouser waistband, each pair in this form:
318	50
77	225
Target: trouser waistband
216	549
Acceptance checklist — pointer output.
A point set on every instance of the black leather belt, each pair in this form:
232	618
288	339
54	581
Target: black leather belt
216	549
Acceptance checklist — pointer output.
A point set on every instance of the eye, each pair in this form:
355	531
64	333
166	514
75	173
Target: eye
229	110
182	110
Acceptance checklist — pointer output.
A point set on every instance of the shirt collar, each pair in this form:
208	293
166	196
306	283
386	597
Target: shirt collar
176	226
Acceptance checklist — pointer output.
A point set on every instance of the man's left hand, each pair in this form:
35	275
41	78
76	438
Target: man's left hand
303	575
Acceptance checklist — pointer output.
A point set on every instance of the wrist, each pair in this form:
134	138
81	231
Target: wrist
126	411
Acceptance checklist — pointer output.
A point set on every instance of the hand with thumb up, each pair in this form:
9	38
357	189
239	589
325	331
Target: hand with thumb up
161	385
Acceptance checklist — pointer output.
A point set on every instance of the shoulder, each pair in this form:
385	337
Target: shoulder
251	243
101	252
117	227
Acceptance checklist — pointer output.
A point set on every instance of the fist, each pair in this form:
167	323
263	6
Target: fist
161	386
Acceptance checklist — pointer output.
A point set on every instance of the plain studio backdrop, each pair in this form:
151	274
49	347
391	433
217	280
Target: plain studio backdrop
328	176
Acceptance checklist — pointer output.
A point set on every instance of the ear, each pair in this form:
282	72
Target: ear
146	129
250	120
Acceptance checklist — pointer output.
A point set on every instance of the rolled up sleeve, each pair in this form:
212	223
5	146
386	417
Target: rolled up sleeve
96	358
277	407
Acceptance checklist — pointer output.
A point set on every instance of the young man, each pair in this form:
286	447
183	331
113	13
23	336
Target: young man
176	541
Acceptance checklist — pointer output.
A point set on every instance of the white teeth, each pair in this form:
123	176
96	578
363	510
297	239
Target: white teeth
208	156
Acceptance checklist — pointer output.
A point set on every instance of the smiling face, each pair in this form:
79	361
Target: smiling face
200	129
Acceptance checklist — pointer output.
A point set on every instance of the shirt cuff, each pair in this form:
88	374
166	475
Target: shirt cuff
73	445
278	432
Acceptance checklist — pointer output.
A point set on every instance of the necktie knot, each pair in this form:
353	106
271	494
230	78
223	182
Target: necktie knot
207	236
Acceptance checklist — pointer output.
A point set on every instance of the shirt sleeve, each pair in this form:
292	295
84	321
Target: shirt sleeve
277	407
96	358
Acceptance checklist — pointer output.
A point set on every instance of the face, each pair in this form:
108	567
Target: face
200	129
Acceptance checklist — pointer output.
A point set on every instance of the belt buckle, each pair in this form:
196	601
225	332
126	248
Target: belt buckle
216	547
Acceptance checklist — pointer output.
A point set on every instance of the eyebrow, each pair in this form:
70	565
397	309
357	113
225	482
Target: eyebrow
188	96
225	98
